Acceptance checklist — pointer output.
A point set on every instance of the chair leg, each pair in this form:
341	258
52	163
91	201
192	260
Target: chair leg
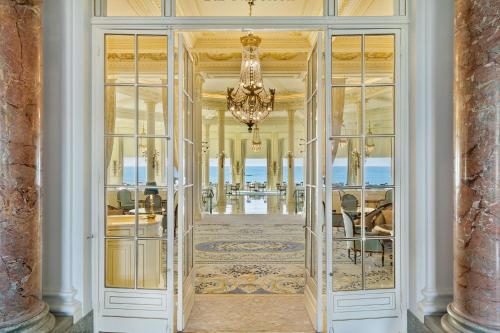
355	257
383	255
349	253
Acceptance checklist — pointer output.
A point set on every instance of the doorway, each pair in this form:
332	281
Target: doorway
162	233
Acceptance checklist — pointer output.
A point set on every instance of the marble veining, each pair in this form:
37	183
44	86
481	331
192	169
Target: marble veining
20	71
477	200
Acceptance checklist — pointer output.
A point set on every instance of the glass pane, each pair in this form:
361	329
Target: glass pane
120	212
133	7
379	108
119	117
152	212
120	161
120	263
379	164
151	264
366	7
152	161
120	59
378	264
240	8
379	214
346	111
346	159
152	60
346	60
379	59
347	266
152	111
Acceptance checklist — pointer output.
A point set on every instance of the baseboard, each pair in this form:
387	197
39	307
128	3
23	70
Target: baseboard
63	304
435	303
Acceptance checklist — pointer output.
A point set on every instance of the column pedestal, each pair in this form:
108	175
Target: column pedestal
21	305
475	306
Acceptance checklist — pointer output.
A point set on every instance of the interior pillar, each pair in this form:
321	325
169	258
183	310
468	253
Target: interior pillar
221	192
275	160
237	159
206	158
21	305
476	191
151	149
291	154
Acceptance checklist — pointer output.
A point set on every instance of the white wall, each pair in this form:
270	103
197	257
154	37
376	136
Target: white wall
66	157
431	174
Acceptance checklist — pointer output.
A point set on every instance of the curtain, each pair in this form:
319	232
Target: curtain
234	170
338	102
110	115
281	144
269	162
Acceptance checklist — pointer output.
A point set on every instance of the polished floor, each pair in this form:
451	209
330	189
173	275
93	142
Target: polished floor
256	203
249	313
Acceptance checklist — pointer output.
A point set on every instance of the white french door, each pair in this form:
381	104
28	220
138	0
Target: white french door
314	186
363	201
185	192
134	199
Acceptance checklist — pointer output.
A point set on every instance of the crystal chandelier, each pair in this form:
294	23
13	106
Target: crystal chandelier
256	142
249	102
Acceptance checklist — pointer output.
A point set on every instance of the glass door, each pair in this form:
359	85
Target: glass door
362	205
185	184
133	112
314	186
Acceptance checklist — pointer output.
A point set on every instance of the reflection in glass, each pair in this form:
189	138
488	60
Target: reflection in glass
152	161
152	59
366	7
347	274
133	7
152	111
120	263
119	113
120	161
346	208
346	159
378	264
120	212
152	212
379	110
151	264
120	59
346	60
379	59
346	111
379	163
379	215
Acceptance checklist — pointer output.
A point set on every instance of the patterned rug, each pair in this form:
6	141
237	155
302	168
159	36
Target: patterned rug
269	259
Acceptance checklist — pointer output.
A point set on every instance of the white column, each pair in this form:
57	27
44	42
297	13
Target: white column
274	160
206	158
221	192
237	159
151	141
291	154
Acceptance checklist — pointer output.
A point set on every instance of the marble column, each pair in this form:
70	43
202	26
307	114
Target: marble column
21	305
476	299
221	189
291	154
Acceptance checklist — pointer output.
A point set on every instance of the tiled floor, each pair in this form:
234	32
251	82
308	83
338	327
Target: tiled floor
249	313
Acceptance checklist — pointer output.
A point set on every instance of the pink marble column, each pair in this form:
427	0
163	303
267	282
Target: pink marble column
21	305
476	302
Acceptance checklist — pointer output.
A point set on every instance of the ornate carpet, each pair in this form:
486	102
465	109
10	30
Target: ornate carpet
265	258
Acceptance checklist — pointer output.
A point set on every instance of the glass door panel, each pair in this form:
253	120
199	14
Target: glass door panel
361	183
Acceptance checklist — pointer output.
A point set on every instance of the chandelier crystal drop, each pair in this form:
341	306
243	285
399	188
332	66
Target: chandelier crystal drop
249	102
256	141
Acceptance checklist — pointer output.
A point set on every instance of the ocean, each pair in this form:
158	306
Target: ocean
375	175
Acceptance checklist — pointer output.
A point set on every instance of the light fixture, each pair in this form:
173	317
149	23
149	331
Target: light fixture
256	141
249	102
370	144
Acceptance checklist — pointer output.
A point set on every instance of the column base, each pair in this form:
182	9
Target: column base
454	323
42	323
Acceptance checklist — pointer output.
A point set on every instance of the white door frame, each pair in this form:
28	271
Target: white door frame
101	25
